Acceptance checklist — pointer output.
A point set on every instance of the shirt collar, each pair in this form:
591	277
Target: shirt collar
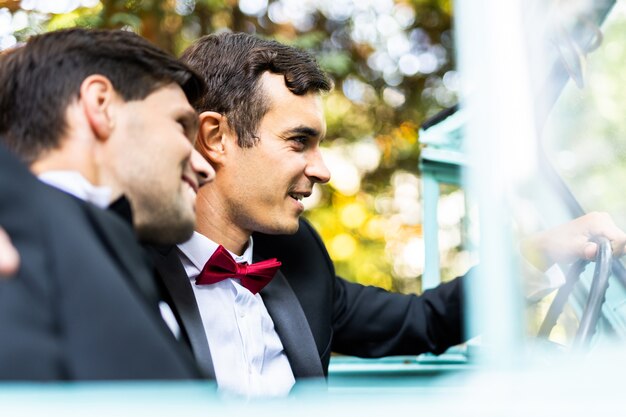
72	182
200	248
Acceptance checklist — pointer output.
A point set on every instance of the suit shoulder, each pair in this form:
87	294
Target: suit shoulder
304	247
305	238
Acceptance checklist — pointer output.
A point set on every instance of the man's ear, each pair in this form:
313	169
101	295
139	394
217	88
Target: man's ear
212	136
96	97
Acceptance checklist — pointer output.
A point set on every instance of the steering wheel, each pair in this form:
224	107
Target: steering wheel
597	292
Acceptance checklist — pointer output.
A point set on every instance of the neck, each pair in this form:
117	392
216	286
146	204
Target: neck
74	156
213	222
67	158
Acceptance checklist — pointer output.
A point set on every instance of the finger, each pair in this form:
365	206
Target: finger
589	251
9	258
617	247
605	226
618	241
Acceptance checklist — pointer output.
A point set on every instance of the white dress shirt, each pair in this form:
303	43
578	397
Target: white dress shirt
72	182
248	356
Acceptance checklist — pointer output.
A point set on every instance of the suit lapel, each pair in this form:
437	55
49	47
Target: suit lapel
175	279
292	328
122	244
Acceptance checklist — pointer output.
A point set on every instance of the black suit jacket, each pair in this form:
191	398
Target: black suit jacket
83	305
316	313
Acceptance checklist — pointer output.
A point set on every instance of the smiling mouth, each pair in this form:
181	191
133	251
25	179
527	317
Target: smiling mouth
299	196
191	183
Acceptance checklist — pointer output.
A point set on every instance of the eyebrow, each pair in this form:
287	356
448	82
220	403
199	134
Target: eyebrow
304	130
190	118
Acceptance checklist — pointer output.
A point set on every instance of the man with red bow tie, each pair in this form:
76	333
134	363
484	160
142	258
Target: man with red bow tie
258	327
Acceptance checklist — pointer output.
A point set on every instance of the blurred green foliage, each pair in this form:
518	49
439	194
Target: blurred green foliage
393	66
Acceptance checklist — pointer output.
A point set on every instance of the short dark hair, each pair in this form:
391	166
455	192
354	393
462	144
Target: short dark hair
39	79
232	64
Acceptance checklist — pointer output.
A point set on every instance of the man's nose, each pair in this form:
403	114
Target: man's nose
202	169
316	168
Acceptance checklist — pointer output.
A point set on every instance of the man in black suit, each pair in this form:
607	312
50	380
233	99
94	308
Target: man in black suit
105	116
260	127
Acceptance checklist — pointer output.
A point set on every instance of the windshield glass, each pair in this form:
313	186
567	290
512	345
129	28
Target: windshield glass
581	127
585	136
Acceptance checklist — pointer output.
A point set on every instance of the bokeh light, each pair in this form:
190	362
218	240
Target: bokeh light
391	65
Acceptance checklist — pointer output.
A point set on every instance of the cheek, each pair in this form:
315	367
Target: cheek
160	171
262	177
256	191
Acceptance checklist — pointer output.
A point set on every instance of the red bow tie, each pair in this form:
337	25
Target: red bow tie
253	277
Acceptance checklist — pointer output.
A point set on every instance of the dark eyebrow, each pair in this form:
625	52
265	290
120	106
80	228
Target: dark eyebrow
303	131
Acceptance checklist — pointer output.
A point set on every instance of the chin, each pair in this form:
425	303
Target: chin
167	227
289	228
278	228
166	234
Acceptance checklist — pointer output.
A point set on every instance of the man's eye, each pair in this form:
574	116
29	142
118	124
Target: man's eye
186	128
300	139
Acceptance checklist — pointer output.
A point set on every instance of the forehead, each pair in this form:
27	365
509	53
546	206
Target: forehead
288	110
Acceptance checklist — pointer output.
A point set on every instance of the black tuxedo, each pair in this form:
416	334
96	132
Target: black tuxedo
83	305
316	313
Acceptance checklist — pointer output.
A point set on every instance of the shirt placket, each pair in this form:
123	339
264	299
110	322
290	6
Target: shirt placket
251	333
